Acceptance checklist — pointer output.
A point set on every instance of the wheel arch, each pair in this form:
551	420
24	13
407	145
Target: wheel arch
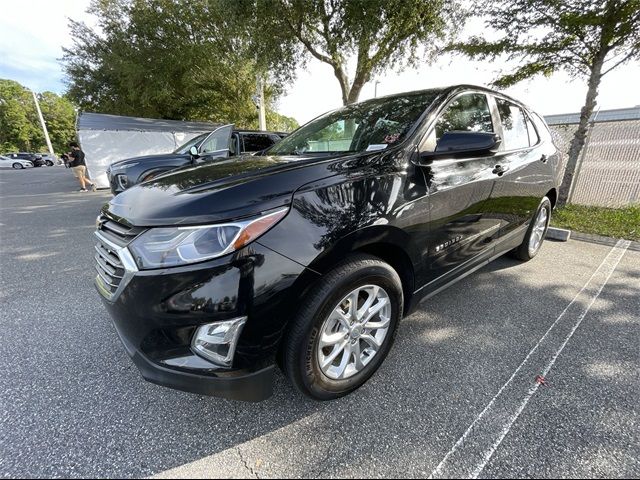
153	172
389	244
552	195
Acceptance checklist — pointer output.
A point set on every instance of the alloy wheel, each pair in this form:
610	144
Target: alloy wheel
539	229
354	332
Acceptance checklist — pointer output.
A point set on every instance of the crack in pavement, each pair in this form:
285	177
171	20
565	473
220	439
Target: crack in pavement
245	463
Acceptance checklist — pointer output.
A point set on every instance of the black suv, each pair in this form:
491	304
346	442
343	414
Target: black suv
221	143
31	157
308	255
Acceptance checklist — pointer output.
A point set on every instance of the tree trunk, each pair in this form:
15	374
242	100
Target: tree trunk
354	93
578	141
343	80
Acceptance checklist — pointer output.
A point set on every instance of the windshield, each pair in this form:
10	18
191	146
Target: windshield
181	150
367	126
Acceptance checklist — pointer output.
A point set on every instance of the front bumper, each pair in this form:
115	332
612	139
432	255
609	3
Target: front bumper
156	313
239	385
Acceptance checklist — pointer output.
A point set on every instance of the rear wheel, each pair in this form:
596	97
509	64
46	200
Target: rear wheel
345	329
49	163
18	166
536	232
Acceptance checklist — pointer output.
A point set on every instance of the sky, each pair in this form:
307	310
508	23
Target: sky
34	32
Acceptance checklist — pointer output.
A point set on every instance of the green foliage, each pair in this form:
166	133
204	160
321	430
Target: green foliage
380	34
173	59
60	116
610	222
20	128
545	36
281	123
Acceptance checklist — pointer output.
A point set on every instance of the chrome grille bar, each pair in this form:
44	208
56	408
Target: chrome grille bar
114	264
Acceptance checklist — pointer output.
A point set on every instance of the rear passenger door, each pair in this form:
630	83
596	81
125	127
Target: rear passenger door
520	171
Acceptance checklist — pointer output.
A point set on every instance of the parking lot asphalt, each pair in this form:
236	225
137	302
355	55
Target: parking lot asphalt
457	396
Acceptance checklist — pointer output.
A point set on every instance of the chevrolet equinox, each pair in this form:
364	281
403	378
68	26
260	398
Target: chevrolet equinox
308	255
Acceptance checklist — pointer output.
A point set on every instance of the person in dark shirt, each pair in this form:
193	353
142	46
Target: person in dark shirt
79	167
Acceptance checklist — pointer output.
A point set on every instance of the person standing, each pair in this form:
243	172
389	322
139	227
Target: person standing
79	167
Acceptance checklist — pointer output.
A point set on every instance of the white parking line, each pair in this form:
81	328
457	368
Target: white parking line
474	449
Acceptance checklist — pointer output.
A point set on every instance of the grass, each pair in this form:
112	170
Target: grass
610	222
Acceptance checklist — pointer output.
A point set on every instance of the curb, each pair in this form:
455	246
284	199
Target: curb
558	234
562	235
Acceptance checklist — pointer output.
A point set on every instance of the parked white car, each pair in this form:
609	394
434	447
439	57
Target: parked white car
17	163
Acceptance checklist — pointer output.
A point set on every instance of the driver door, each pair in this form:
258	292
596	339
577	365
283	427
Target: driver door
460	229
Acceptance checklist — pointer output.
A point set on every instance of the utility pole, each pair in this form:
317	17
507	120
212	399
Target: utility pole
44	125
375	89
262	116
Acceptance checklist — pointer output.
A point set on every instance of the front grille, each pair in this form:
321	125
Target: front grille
109	267
117	233
112	236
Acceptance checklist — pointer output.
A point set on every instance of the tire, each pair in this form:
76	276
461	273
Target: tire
18	166
526	251
302	353
49	163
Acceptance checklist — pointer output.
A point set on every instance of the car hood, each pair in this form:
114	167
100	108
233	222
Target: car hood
148	159
214	192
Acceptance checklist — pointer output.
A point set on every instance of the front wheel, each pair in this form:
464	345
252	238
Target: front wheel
18	166
49	163
345	329
536	232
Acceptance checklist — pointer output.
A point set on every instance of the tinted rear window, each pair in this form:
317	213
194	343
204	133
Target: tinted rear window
256	142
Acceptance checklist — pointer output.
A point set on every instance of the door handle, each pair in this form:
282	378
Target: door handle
499	170
544	159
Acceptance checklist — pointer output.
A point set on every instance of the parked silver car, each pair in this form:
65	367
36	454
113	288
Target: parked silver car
17	163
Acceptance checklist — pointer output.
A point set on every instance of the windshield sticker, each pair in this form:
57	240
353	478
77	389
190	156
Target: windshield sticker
392	138
376	146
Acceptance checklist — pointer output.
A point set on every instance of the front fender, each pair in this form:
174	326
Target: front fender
326	224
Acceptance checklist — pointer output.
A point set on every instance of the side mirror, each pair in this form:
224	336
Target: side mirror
459	144
194	152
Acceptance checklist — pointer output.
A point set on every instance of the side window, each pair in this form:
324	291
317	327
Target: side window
256	142
469	112
533	135
543	129
218	140
232	144
514	125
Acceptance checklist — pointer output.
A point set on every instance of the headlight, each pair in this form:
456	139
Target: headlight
173	246
122	181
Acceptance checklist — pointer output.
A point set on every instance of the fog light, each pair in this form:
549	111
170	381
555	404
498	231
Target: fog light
217	341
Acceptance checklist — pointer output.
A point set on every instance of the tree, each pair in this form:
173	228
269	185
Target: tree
16	129
281	123
586	38
173	59
20	128
60	117
380	34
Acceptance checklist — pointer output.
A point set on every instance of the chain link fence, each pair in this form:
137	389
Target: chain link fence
608	171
